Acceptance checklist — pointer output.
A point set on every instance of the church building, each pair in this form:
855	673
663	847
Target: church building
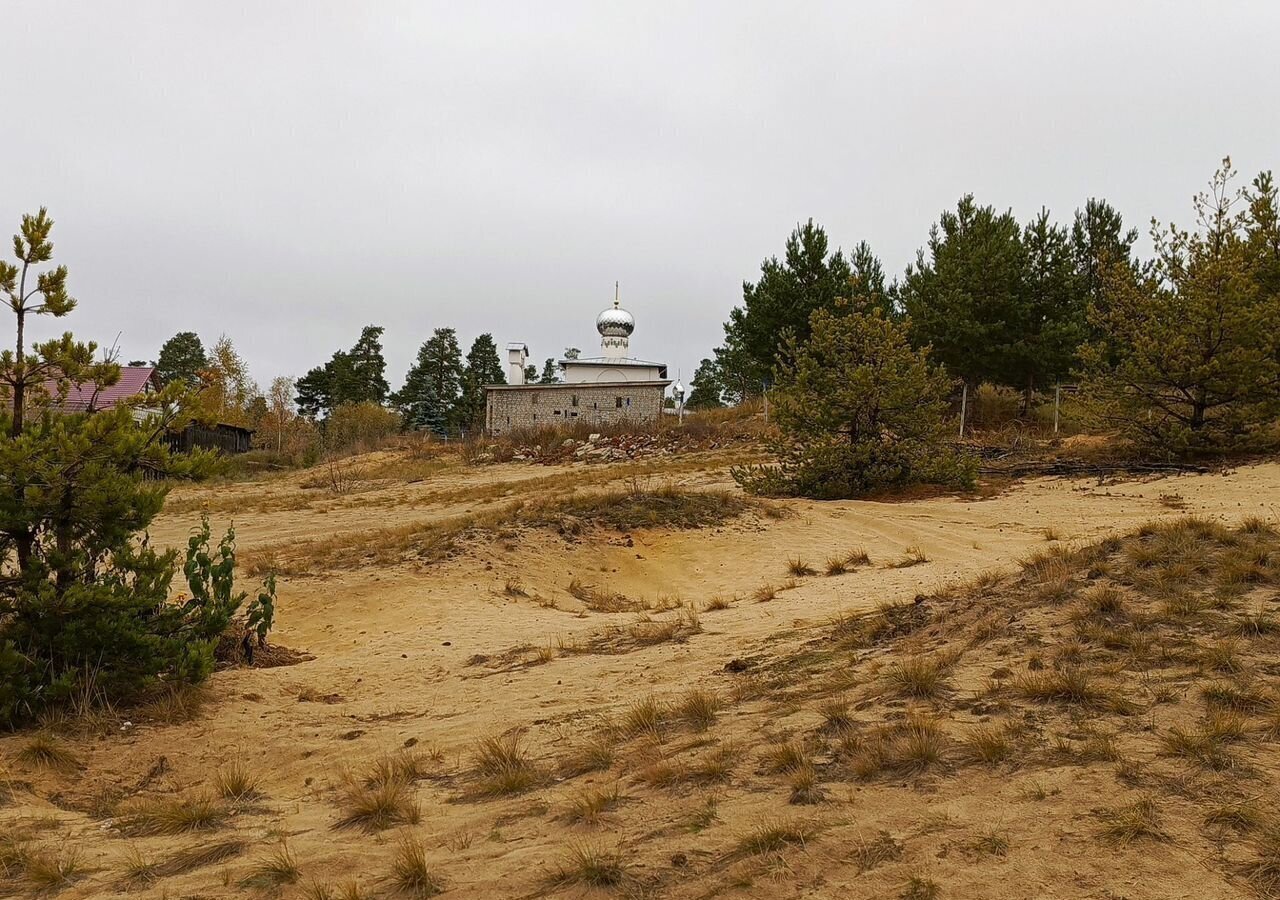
611	387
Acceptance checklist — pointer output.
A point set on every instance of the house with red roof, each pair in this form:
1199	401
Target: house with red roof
89	397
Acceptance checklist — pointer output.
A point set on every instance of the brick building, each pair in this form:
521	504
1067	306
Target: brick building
611	387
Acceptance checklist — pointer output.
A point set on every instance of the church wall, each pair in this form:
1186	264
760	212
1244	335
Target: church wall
540	406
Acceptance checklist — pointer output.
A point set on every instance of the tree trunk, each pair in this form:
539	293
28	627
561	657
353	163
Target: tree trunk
19	381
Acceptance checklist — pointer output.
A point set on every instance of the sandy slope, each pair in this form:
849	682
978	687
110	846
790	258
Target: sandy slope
394	664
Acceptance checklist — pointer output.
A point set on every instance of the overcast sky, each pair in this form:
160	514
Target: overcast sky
289	172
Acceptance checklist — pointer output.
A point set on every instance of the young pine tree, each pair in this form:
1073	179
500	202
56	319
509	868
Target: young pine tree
1188	358
859	410
84	608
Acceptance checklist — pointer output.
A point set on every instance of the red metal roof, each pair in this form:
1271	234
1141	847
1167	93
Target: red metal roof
133	380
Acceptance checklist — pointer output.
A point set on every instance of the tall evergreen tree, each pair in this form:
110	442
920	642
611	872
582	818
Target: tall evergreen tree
433	384
182	358
965	298
807	278
550	374
357	375
1099	243
1053	307
364	379
483	367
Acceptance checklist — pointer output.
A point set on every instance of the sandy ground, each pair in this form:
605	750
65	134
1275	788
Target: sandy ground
395	651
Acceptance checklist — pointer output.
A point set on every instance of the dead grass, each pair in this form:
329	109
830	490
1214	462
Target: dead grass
698	708
44	751
912	556
411	874
602	600
1130	822
140	868
765	593
376	807
776	836
988	744
278	868
921	677
591	804
503	766
798	568
591	865
236	782
171	815
869	852
645	717
47	870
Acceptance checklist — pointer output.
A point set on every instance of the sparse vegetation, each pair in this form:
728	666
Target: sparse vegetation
411	874
503	766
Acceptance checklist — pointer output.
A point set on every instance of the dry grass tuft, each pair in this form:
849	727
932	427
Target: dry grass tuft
594	755
717	603
1243	816
764	593
805	788
698	708
988	744
837	715
378	806
785	758
908	747
168	816
276	869
912	556
52	870
140	869
871	852
590	865
410	872
44	751
1124	824
922	677
918	887
1070	684
774	837
798	568
645	717
590	805
600	599
504	767
236	782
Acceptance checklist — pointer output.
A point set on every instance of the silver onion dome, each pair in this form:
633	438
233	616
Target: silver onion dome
615	322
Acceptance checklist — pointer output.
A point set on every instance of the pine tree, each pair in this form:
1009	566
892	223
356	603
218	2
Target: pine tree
780	304
965	298
182	358
433	384
364	377
357	375
1100	243
82	591
1053	307
1191	358
483	367
550	373
706	392
859	410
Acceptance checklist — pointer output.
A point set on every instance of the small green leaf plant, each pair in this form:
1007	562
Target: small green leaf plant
210	575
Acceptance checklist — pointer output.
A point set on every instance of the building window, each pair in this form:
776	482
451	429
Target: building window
533	397
628	401
574	400
617	401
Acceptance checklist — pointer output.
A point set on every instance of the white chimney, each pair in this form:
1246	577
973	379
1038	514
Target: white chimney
517	358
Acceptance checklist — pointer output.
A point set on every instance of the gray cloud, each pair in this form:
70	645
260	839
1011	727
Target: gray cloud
288	172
